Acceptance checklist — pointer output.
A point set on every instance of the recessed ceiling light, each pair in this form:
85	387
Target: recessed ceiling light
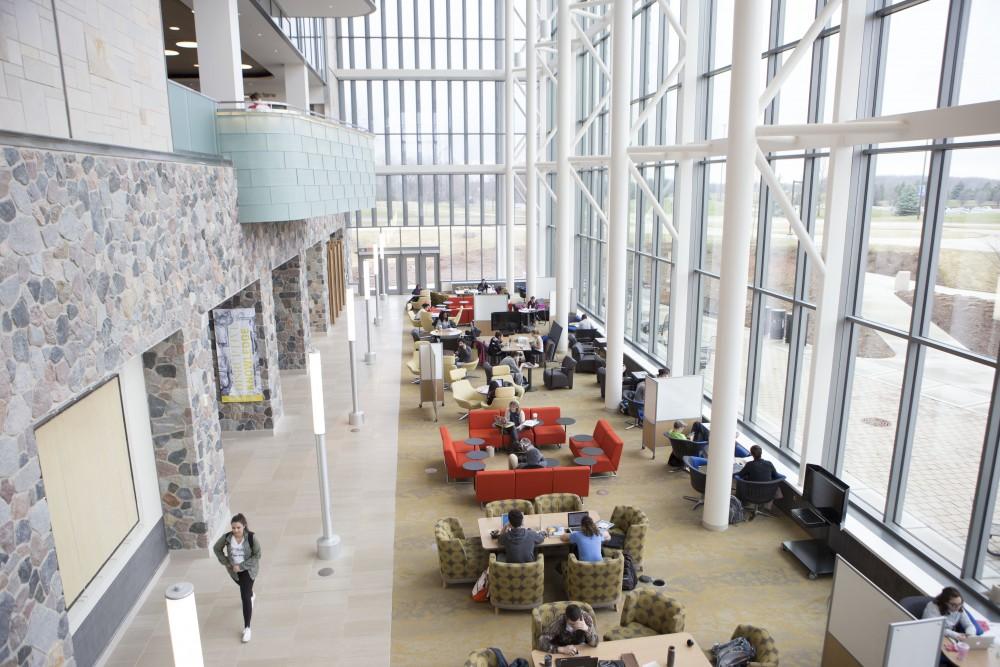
173	27
258	34
245	66
171	52
188	45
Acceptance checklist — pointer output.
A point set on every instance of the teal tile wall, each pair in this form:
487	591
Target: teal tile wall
290	168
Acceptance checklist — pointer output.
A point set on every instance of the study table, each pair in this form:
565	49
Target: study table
978	658
536	522
645	650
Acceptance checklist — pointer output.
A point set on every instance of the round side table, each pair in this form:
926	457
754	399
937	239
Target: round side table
590	451
474	466
475	442
477	455
566	422
580	461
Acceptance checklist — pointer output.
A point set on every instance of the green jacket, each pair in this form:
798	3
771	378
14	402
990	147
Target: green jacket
251	564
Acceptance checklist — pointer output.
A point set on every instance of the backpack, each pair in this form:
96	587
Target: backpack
481	589
629	579
735	653
736	514
501	660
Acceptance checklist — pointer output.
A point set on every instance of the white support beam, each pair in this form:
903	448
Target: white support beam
675	23
509	136
591	117
589	15
565	123
588	44
545	167
661	90
438	169
584	4
588	195
736	223
548	139
670	152
548	188
779	194
589	160
531	151
798	53
420	75
657	207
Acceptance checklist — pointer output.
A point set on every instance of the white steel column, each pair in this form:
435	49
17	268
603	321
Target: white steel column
745	89
565	132
680	249
508	129
217	28
297	86
618	181
838	188
531	146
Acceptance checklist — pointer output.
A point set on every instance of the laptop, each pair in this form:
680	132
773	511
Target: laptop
504	520
980	642
574	519
578	661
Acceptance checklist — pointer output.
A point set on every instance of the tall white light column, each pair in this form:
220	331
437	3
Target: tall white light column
618	180
327	544
508	134
531	146
182	620
381	262
745	88
357	417
378	309
565	132
217	27
366	283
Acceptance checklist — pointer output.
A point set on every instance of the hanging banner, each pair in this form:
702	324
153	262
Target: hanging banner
236	350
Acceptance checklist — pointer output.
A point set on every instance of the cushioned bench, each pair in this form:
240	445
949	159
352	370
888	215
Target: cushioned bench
549	433
528	483
605	438
453	458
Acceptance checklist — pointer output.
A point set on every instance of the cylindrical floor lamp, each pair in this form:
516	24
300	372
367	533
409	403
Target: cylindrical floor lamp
328	544
357	417
370	354
182	619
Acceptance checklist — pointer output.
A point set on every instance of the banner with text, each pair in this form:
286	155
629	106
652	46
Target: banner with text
236	349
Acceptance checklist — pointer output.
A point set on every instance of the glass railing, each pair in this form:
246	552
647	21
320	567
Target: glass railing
275	106
308	35
192	120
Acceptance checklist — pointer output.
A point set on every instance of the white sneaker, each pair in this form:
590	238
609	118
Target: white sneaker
246	635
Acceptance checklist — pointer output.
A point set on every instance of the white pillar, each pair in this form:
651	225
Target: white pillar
684	195
331	91
217	28
565	195
508	128
618	181
838	187
531	147
745	89
297	86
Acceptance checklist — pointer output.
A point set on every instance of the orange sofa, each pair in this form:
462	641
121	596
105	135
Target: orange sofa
454	456
528	483
549	433
605	438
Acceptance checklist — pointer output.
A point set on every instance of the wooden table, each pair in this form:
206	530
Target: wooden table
978	658
534	521
645	649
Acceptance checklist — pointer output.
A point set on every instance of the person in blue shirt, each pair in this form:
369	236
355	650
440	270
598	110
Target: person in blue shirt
588	540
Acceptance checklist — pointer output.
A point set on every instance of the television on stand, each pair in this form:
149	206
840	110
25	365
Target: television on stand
825	498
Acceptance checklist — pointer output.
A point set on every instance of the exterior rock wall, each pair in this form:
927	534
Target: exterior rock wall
291	312
102	259
318	288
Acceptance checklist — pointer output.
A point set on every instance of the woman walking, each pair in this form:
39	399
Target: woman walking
239	553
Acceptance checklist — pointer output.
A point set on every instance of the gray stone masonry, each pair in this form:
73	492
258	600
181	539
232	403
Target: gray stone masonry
101	260
291	314
318	288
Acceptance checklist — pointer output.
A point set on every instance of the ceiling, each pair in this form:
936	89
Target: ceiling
182	66
328	8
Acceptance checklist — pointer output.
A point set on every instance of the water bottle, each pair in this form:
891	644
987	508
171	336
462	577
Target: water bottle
671	656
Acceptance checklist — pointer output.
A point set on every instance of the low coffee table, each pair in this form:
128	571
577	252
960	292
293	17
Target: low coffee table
580	461
566	422
589	451
551	463
475	442
476	466
477	455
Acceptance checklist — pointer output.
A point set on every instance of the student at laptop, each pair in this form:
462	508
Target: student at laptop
758	470
678	432
957	623
569	630
587	540
517	541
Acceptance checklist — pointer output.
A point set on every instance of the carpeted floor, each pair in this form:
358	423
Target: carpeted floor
723	579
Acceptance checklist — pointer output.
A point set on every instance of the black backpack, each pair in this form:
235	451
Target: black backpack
629	578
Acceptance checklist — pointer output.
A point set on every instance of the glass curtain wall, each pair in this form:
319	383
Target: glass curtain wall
649	243
451	121
918	428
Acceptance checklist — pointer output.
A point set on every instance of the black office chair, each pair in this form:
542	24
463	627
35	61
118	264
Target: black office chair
602	373
681	448
755	495
634	409
915	604
562	377
550	352
698	479
587	362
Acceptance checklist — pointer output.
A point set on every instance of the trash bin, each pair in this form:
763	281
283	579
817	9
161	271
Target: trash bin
776	323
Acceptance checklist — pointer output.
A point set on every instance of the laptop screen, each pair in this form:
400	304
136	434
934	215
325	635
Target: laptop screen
504	519
578	661
574	519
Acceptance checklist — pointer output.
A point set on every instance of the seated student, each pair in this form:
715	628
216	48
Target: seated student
678	431
588	540
464	353
495	347
517	541
537	347
531	303
514	415
758	470
957	624
532	458
514	363
416	291
639	395
442	322
573	628
482	286
699	432
584	323
491	392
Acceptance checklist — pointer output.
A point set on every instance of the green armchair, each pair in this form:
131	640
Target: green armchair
484	657
631	522
551	503
766	653
516	585
461	559
543	615
648	612
501	507
599	584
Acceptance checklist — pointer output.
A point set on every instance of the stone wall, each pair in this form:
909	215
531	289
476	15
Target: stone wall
262	414
318	288
102	259
291	312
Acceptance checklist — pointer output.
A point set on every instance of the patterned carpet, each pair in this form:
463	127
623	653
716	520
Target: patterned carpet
723	579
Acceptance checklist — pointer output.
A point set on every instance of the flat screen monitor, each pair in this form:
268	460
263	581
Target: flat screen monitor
826	493
502	321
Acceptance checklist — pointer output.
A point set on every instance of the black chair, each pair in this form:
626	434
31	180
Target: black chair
587	362
562	377
754	495
489	371
698	478
602	373
634	409
550	352
915	604
681	448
